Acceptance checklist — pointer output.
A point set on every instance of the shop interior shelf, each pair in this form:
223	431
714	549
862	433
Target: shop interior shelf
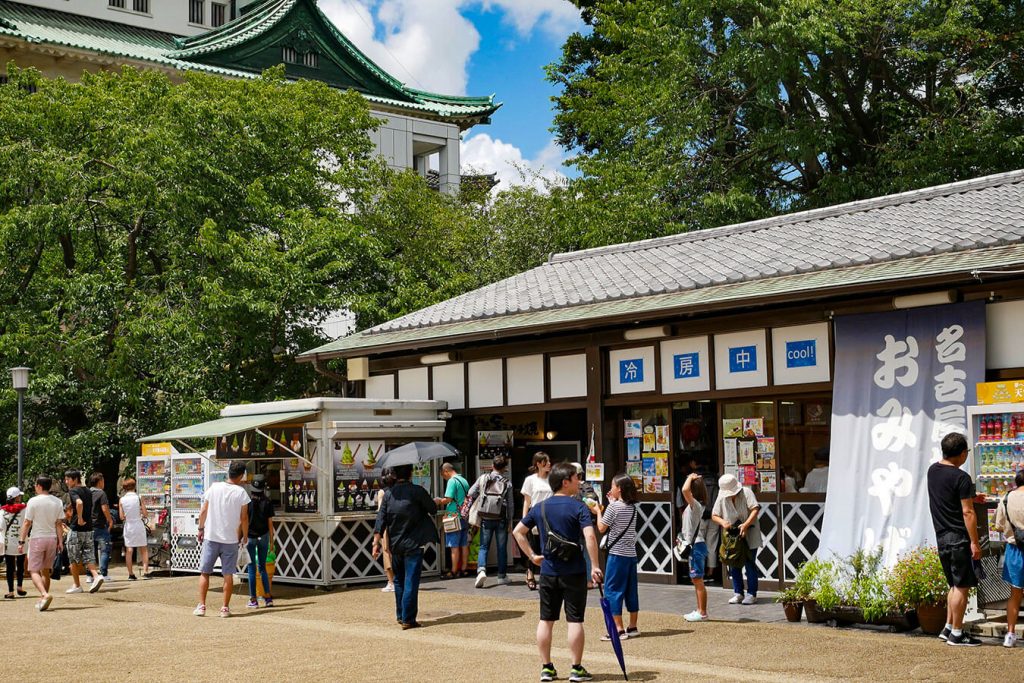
1008	475
1007	442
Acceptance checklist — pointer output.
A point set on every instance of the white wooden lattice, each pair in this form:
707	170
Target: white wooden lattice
801	534
768	555
298	551
654	537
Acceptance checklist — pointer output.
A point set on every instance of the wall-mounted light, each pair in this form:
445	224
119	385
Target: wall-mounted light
434	358
947	296
551	435
646	333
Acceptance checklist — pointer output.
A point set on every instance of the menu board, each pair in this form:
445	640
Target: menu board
251	444
300	486
357	474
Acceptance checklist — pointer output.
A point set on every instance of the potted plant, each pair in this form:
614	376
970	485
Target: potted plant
816	580
792	602
918	582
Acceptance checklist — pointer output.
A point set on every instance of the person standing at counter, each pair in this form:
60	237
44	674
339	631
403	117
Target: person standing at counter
535	489
261	540
407	515
456	541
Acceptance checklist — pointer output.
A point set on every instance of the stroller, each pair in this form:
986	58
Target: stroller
158	538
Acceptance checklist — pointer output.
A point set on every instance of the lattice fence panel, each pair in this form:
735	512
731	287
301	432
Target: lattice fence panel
654	537
768	554
298	551
801	535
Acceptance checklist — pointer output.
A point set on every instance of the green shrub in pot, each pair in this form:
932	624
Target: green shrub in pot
917	579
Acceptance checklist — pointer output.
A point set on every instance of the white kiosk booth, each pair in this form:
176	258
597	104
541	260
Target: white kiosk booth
320	457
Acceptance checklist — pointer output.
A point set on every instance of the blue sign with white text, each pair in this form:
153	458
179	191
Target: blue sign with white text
686	365
631	371
743	359
802	353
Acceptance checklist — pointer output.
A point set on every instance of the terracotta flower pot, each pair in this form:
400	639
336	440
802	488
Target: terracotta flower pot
932	618
794	611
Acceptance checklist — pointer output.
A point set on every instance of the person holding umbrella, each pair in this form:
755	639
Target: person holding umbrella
406	514
566	528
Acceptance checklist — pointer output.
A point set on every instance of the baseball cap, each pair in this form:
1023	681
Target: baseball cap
13	492
259	482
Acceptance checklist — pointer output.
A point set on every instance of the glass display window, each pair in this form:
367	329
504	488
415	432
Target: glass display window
749	444
804	434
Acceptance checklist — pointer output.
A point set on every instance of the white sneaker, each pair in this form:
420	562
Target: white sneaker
107	579
503	581
390	588
74	589
199	611
481	579
96	585
736	599
225	612
749	600
88	579
695	615
1010	640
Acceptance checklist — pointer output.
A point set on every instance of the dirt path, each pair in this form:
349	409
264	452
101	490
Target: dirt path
146	630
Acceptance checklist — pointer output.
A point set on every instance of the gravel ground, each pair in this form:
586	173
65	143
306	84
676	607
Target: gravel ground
145	630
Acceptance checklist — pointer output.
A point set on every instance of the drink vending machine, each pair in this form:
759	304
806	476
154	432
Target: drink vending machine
191	475
153	484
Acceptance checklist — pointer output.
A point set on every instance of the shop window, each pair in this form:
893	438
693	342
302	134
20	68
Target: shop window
195	11
749	444
141	6
218	12
647	445
803	448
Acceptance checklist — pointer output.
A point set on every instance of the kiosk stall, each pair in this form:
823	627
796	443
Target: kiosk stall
320	457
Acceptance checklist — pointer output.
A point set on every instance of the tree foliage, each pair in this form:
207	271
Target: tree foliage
693	114
168	247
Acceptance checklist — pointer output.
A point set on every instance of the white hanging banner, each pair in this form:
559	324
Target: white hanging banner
902	382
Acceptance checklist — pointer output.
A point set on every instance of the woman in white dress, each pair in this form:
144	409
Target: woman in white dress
130	508
535	490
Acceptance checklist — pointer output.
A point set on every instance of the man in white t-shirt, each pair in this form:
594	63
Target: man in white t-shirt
816	480
223	525
44	529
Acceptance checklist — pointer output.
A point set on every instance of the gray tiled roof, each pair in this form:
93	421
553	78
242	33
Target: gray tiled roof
971	214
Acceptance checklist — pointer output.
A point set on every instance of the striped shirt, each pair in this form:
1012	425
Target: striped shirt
621	521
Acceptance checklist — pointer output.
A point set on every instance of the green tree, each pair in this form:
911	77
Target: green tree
693	114
167	247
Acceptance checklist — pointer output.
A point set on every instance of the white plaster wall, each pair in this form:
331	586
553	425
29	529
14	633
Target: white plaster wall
170	16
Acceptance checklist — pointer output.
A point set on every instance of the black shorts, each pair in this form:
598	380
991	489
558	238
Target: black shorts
957	563
554	590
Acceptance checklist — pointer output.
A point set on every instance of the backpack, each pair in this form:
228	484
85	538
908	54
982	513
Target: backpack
492	500
734	551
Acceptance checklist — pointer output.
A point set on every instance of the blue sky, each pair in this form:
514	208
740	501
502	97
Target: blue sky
474	47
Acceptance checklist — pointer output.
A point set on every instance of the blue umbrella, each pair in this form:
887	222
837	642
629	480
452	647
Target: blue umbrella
613	631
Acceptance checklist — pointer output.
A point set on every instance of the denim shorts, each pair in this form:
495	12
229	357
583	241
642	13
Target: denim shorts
457	539
1013	566
698	560
228	554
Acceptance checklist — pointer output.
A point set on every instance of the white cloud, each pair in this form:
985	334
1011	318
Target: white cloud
427	44
483	154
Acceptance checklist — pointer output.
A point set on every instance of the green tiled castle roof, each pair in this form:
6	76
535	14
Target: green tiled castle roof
219	51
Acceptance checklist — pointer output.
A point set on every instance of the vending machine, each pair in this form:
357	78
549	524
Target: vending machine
190	474
153	477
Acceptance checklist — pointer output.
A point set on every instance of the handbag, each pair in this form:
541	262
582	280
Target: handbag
452	523
1018	534
557	545
682	549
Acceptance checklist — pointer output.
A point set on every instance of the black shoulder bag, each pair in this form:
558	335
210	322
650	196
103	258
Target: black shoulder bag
557	545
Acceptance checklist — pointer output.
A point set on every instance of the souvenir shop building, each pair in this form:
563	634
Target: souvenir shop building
721	349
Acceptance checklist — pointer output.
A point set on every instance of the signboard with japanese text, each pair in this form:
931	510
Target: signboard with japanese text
631	370
741	360
903	381
685	365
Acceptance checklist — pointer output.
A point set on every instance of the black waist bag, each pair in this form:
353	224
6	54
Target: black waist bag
558	546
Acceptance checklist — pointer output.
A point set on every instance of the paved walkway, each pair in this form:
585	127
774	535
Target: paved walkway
665	599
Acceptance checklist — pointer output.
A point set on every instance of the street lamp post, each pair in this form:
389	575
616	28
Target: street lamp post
19	379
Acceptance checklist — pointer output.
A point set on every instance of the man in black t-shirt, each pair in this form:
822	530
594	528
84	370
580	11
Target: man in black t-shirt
81	551
951	500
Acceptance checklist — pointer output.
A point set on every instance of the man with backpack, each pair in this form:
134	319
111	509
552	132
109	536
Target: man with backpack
495	492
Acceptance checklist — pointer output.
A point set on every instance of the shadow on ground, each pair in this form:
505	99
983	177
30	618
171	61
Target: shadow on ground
476	617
